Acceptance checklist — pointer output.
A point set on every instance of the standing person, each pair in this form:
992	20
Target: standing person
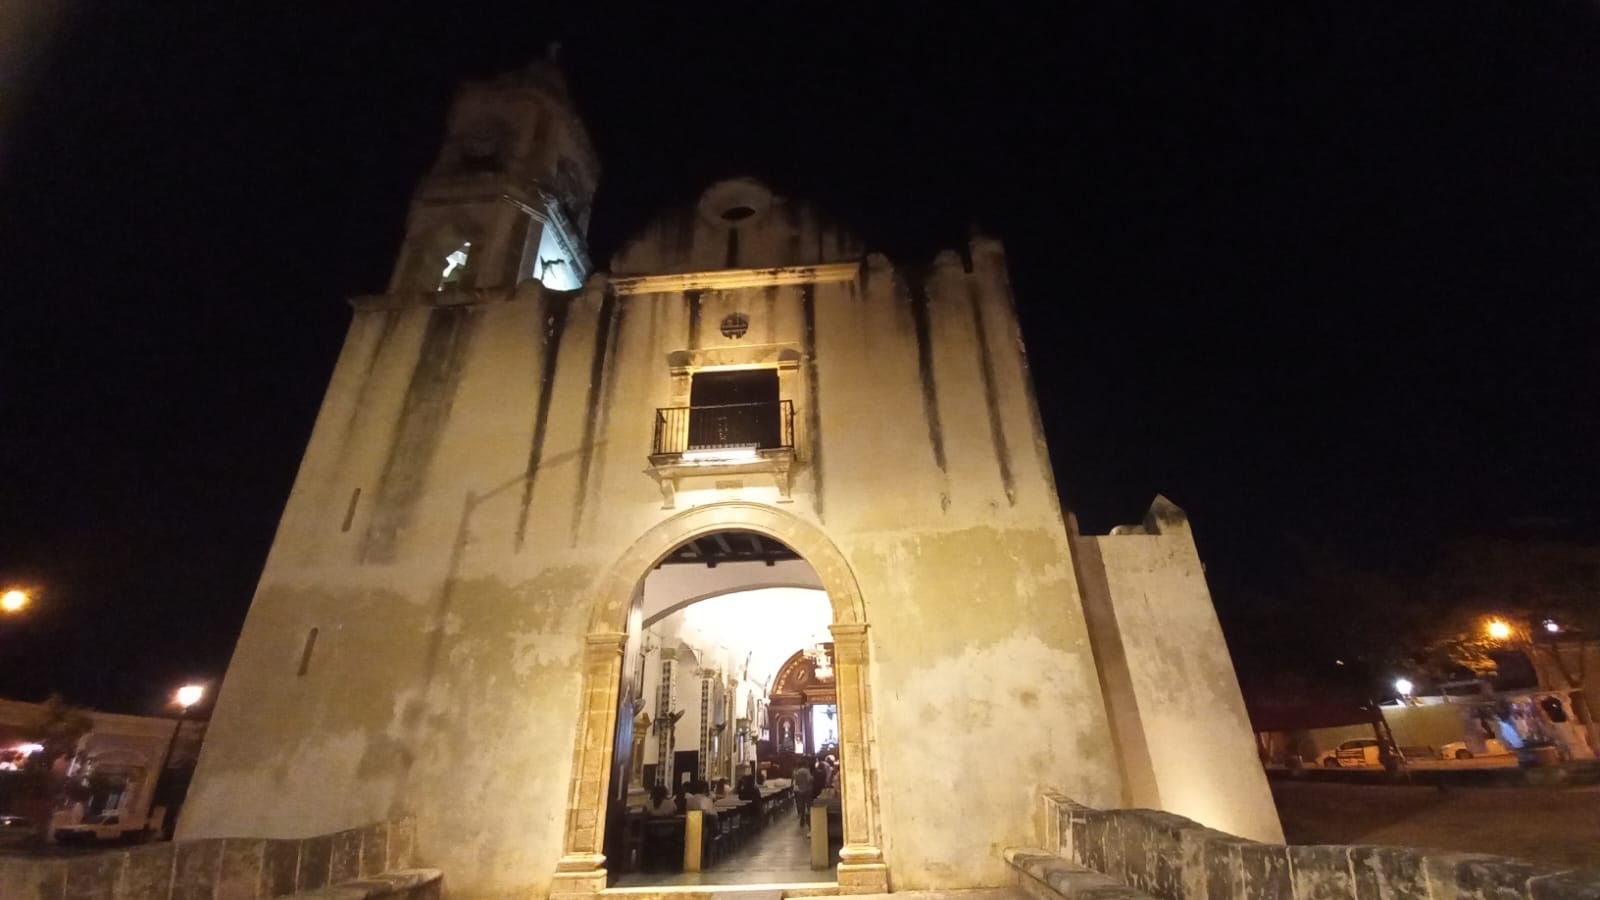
802	794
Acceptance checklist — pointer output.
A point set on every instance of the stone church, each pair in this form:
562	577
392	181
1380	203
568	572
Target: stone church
749	495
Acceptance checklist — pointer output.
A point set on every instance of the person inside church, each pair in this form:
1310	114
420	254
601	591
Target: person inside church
802	792
748	789
699	797
660	803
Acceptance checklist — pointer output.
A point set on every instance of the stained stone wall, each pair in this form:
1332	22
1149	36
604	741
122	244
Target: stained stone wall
1170	685
1173	858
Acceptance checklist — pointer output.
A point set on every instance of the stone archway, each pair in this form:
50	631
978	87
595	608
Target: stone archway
861	869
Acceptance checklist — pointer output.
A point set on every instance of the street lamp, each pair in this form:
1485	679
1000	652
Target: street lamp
187	696
14	600
1404	686
1499	630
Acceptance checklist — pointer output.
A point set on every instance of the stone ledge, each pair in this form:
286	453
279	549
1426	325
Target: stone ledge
404	884
1041	870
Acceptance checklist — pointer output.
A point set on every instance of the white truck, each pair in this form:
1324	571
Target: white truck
109	828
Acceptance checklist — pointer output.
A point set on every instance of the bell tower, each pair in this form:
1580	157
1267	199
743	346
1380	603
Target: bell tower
508	198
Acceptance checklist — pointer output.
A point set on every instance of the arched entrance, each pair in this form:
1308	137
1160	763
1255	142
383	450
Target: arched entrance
862	868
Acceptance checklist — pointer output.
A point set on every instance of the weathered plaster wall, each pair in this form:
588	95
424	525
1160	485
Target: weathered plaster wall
1170	681
497	438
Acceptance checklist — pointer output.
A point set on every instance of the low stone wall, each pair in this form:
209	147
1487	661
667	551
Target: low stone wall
1174	858
215	868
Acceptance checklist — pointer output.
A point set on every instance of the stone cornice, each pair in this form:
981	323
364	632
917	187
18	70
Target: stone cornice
729	279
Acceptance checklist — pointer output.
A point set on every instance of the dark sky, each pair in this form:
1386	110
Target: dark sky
1323	274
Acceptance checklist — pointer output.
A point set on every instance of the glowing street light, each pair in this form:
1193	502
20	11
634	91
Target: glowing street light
1404	686
1552	626
189	695
186	696
14	600
1499	630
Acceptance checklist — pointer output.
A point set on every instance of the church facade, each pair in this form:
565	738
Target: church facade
452	620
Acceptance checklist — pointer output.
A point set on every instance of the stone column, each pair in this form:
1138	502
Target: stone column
861	866
580	871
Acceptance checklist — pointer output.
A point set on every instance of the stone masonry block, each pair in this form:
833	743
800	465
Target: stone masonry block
280	867
1153	852
1079	824
1099	831
1321	872
402	843
344	862
240	877
1388	873
1264	872
1133	848
1473	876
94	877
1221	862
1564	886
49	881
14	873
195	870
146	873
375	849
1196	867
316	855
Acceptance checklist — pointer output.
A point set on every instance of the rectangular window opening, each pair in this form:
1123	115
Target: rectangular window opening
735	409
350	512
305	654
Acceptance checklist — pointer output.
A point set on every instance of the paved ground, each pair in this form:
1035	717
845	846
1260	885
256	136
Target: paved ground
1556	826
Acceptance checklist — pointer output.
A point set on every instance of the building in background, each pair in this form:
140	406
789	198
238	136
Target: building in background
115	768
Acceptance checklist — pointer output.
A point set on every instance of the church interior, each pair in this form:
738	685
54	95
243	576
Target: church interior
728	689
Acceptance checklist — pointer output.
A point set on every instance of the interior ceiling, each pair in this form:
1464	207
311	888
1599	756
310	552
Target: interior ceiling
729	546
766	625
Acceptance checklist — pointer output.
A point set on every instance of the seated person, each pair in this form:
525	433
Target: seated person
748	789
660	802
699	797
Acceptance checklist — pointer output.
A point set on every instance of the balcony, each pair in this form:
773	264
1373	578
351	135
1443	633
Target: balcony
716	446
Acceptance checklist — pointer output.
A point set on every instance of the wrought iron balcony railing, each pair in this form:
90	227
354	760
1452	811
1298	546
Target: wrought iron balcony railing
729	428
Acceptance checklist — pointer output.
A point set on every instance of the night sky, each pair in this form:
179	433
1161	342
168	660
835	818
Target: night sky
1325	275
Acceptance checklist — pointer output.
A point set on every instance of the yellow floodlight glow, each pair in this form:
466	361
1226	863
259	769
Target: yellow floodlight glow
13	600
1499	630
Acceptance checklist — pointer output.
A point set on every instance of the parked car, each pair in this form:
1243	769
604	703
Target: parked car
16	829
1460	750
96	829
1350	754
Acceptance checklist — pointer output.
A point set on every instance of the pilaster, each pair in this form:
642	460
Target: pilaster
580	872
862	869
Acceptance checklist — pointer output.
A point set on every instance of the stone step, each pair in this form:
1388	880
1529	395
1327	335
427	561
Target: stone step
401	884
1046	876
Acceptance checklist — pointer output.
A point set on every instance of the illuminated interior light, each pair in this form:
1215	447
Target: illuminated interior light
721	455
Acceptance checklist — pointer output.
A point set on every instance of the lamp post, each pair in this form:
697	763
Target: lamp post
186	697
14	600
